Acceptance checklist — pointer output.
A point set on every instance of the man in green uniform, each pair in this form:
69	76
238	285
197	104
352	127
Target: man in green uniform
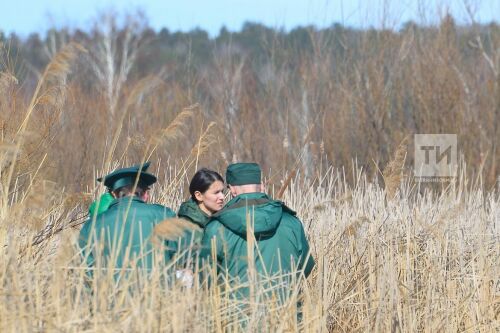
102	204
120	237
280	245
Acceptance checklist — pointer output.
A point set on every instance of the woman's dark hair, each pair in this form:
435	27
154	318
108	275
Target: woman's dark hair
202	180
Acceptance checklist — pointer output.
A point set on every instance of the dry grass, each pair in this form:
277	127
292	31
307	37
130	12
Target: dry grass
174	228
421	263
393	172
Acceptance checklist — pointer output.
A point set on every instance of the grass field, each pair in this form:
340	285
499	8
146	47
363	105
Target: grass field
392	254
415	262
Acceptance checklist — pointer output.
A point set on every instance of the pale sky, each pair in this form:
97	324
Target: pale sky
25	16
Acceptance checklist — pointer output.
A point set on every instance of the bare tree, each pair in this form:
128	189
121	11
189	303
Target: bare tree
492	58
114	52
229	85
56	39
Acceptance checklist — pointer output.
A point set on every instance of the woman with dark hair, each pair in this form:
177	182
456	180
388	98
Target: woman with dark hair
207	197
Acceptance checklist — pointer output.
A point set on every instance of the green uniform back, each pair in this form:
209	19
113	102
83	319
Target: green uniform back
281	244
121	236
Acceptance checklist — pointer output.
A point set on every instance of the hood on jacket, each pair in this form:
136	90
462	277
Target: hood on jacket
191	211
265	214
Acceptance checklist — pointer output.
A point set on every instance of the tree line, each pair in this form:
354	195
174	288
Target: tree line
297	100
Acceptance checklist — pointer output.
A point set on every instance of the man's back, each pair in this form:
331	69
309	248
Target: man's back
279	235
123	233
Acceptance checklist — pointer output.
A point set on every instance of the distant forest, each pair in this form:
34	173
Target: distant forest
305	99
256	42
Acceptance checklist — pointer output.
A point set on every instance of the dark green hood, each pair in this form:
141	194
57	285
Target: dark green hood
267	218
191	211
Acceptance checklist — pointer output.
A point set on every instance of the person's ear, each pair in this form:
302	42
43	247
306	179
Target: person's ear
145	196
198	196
113	194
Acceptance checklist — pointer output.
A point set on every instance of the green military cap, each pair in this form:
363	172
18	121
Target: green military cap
127	176
243	174
144	167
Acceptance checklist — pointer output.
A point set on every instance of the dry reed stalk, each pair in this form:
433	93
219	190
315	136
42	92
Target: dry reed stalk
393	172
7	79
169	133
55	73
173	229
140	88
294	170
286	183
174	130
205	141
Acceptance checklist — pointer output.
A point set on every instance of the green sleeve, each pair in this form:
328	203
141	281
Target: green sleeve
211	232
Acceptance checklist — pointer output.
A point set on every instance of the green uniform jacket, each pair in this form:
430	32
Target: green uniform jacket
126	238
191	211
280	237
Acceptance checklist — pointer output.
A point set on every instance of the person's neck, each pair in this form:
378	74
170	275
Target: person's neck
204	209
131	196
248	192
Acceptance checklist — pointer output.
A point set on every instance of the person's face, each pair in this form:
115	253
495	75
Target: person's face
212	200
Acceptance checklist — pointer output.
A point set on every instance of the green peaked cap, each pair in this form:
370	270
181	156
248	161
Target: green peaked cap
243	174
127	176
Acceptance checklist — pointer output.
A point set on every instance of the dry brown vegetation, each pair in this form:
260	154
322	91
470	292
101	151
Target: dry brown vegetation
335	96
391	256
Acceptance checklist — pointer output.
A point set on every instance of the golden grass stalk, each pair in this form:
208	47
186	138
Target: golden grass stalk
205	141
393	172
174	130
173	229
55	74
6	80
142	87
296	165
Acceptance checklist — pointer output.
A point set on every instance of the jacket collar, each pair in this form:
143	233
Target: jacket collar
125	200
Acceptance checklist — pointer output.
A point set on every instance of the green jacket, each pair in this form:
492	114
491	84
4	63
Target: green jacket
127	238
279	235
192	212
